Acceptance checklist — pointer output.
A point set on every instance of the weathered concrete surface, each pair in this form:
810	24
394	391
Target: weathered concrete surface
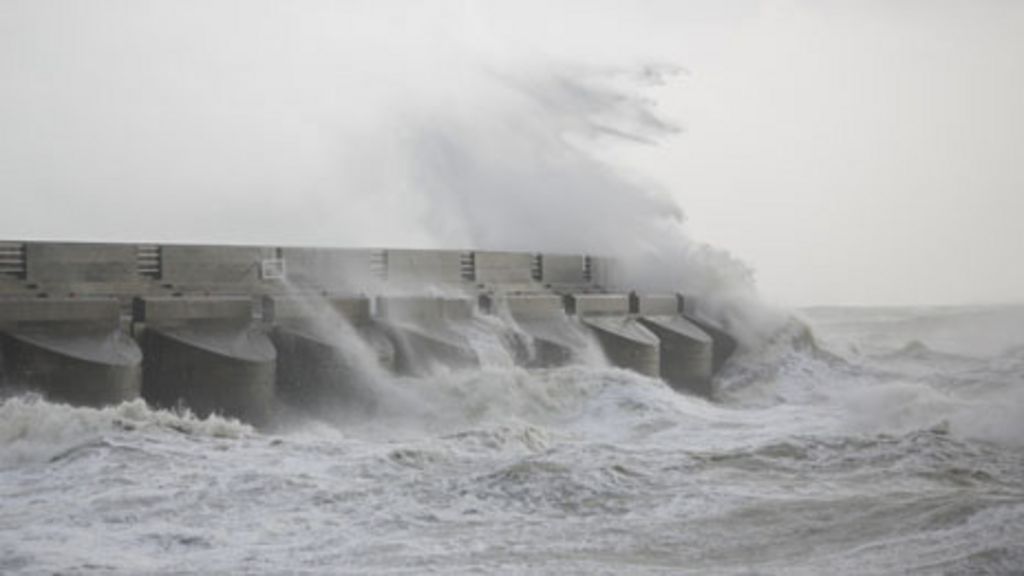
552	339
425	331
724	345
607	274
509	270
328	351
423	268
232	269
316	311
60	263
175	310
206	353
333	270
96	312
71	350
563	270
87	369
686	350
626	342
592	305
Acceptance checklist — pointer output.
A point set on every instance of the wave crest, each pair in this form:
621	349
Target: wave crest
34	430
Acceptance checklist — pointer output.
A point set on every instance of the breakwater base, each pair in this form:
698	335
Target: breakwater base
233	329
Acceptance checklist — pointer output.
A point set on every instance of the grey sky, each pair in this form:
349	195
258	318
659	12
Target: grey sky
851	152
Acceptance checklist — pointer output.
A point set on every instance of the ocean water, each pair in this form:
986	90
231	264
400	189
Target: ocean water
889	441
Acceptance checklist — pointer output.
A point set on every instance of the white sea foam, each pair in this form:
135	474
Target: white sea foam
33	430
808	463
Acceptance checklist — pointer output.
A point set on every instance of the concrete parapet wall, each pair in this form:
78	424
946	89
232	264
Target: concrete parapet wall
410	308
59	263
140	269
424	309
606	273
599	304
535	306
503	268
355	309
209	266
657	305
332	270
172	310
424	267
99	312
12	286
561	269
458	309
284	308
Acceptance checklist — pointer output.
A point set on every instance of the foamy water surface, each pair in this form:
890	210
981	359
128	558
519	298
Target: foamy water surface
862	456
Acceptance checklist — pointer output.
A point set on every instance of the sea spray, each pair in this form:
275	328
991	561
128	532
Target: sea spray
573	342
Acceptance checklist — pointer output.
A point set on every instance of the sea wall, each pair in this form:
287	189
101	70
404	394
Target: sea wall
230	329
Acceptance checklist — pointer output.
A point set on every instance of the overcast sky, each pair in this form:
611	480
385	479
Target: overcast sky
850	152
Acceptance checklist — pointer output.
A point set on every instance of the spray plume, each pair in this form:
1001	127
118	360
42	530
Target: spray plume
338	125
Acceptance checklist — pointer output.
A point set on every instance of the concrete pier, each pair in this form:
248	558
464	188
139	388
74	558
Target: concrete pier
226	329
425	331
686	350
71	350
328	350
207	354
625	341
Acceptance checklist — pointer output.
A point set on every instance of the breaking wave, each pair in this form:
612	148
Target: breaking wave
813	458
33	430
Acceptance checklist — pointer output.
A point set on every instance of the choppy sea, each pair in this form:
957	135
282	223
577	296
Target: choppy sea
884	441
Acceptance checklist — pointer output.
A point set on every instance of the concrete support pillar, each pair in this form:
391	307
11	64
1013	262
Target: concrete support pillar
625	341
329	350
724	345
72	350
551	338
686	350
424	330
207	354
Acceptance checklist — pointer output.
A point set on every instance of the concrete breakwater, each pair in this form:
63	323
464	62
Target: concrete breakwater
230	329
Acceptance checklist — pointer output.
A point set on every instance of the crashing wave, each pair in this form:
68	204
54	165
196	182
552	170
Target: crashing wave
32	429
